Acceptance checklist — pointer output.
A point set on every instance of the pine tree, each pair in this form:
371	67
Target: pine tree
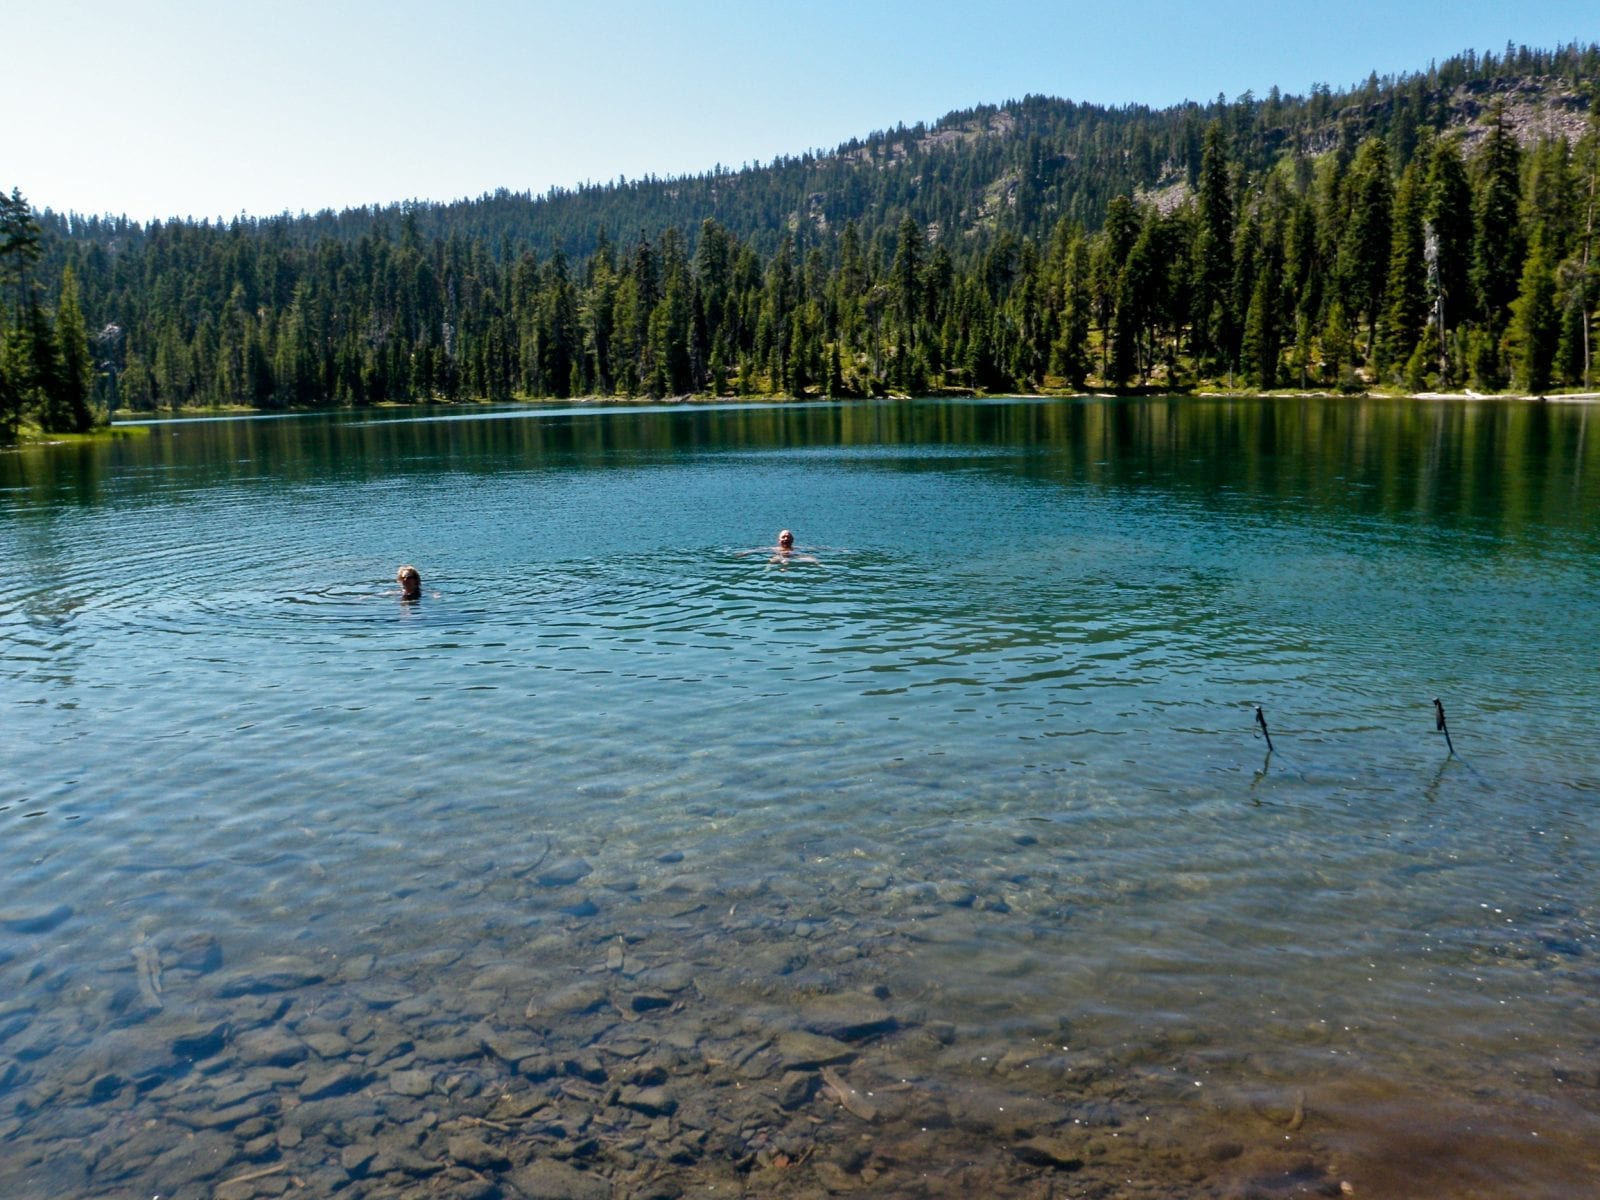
1364	247
1447	242
76	369
1070	351
1535	323
1497	247
44	390
558	329
1406	290
1263	333
907	276
1107	259
1215	316
1338	348
1303	278
19	247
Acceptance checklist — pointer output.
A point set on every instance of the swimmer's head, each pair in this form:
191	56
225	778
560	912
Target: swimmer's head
786	539
410	582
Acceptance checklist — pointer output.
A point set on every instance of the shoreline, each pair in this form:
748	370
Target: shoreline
121	420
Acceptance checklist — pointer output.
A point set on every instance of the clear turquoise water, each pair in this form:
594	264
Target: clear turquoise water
993	757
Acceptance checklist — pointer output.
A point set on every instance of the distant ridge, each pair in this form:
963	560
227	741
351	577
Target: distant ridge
1426	232
1045	158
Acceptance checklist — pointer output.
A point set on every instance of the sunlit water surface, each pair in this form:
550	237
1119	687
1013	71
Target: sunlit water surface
990	769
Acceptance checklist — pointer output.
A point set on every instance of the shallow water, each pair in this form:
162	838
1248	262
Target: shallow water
978	797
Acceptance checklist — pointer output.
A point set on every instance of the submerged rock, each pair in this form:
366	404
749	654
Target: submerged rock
795	1088
276	973
336	1082
198	952
1061	1154
848	1016
545	1179
271	1047
474	1152
798	1049
36	919
412	1083
563	873
199	1039
194	1159
651	1101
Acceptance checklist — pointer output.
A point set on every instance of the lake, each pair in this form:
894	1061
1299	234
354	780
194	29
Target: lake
954	863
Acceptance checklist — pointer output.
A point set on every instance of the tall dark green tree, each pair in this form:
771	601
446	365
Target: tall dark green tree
1535	323
1406	290
19	248
1215	319
906	274
1497	245
1364	247
1447	238
72	407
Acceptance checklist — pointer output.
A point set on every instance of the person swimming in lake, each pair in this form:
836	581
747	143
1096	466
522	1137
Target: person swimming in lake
410	581
784	552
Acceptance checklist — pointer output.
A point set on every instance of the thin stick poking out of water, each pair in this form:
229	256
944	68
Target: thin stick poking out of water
1261	720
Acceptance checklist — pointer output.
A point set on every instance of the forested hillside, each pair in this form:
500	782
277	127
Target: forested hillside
1431	230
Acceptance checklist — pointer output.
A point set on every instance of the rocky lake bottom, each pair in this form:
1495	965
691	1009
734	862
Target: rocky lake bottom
627	864
773	1040
643	1031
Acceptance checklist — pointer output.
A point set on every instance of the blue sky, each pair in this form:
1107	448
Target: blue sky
177	108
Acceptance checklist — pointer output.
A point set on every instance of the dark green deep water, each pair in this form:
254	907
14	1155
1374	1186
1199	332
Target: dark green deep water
988	774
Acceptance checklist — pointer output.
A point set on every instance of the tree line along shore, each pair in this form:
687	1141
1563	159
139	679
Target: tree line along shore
1377	240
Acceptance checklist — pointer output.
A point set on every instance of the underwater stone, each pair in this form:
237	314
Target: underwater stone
566	871
277	973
